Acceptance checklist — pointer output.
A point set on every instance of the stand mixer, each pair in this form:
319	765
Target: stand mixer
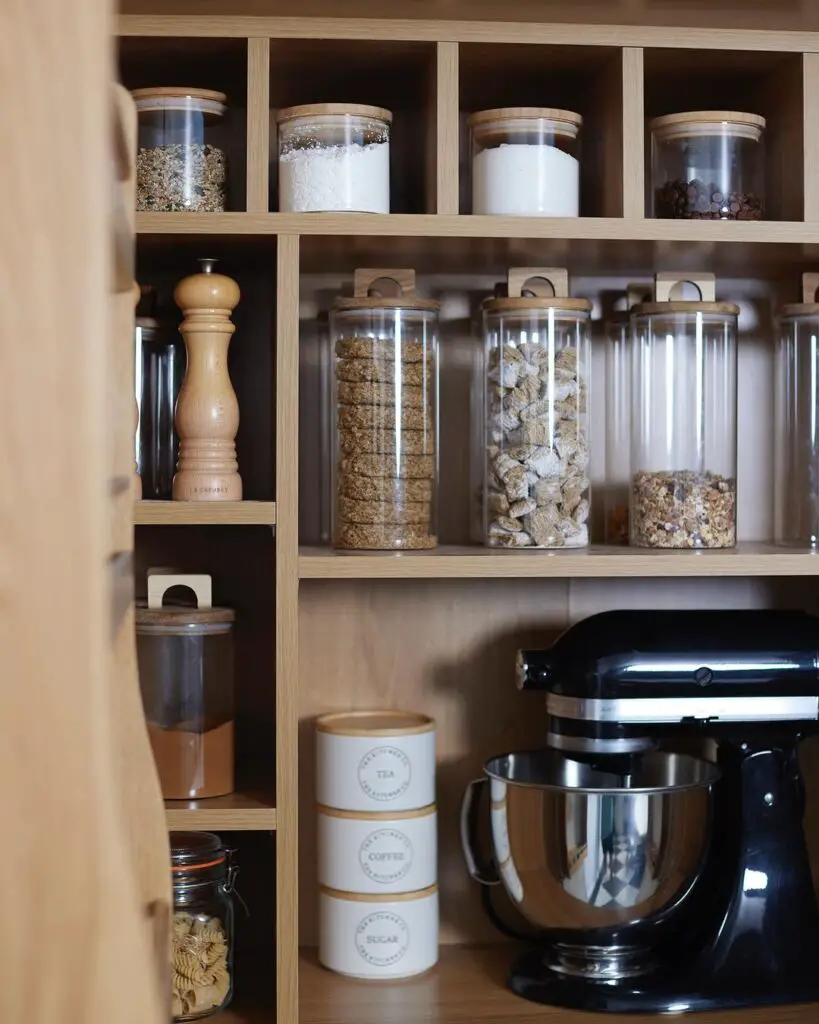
662	882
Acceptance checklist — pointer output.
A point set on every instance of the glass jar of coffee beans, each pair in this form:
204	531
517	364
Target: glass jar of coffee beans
708	165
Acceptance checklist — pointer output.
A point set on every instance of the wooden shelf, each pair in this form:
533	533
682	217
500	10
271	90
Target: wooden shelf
468	987
597	561
237	812
205	513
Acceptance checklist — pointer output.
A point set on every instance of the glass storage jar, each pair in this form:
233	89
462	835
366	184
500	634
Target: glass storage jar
684	419
385	468
181	162
708	165
796	480
203	878
525	162
536	414
185	657
334	156
160	366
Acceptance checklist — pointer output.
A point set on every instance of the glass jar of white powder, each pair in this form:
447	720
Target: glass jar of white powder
525	162
334	156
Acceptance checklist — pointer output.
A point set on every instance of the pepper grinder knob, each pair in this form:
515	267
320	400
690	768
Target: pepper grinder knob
207	410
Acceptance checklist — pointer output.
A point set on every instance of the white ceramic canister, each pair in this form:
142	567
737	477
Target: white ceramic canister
381	761
378	936
377	853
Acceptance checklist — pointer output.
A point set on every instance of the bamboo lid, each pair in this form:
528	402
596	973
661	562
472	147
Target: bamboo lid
323	109
566	122
667	282
334	812
378	897
374	723
708	122
532	280
163	97
808	306
367	297
182	616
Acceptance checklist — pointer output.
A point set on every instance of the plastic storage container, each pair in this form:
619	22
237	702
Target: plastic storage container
617	330
797	419
684	426
525	161
334	156
181	162
160	366
186	677
385	415
708	165
202	935
536	414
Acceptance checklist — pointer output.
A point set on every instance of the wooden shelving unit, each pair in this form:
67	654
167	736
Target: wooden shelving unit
326	630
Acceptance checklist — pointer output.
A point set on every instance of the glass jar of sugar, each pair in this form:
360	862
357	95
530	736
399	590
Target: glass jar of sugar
334	156
525	162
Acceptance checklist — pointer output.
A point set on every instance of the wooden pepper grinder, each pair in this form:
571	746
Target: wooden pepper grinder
207	411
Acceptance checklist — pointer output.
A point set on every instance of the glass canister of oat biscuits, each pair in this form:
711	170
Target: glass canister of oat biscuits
385	415
684	418
536	413
203	878
797	419
181	162
708	165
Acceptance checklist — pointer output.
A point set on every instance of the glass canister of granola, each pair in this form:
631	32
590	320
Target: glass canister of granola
536	413
385	415
684	418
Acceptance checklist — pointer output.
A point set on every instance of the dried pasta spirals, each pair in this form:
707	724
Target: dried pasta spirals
199	956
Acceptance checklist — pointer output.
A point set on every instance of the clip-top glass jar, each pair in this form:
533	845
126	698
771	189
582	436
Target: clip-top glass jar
525	161
797	419
203	878
334	156
684	422
181	162
185	659
160	367
385	415
536	417
708	165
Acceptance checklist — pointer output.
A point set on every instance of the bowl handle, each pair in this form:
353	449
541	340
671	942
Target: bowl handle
483	871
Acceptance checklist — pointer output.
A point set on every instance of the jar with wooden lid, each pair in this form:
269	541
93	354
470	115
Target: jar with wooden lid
708	165
684	418
536	413
185	655
181	162
385	465
203	876
526	161
796	477
334	156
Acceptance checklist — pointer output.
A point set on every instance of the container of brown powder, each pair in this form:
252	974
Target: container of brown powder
185	654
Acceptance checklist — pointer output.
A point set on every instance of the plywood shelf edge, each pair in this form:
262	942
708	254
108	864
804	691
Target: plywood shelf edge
236	812
202	513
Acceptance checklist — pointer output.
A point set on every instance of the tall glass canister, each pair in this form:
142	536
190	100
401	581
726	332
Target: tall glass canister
684	424
797	419
536	413
385	467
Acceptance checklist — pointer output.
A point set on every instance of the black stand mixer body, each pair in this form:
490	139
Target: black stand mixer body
746	932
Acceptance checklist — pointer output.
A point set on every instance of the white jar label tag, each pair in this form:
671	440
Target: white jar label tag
386	855
382	938
384	773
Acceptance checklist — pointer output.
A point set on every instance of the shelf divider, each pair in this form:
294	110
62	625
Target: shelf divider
634	158
258	124
446	126
810	108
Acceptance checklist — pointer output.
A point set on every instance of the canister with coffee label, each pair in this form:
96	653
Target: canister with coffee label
377	853
368	936
375	761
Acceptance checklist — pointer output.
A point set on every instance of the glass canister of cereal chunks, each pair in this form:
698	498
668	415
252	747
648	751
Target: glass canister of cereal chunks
385	465
684	418
536	413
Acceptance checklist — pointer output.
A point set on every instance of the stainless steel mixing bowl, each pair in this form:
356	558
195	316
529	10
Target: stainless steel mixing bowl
577	848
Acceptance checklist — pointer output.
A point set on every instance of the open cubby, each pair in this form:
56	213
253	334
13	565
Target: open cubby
770	84
219	64
585	79
437	631
399	76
